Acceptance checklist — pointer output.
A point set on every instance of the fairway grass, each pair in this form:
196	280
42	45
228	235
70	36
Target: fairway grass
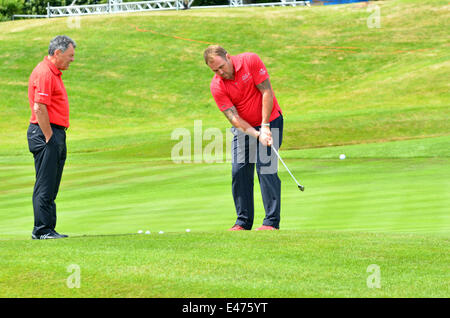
377	95
398	192
227	265
391	212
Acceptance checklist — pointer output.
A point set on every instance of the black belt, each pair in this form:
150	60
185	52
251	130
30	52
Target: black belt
54	126
58	126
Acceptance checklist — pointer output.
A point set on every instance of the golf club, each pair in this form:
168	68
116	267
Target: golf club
302	188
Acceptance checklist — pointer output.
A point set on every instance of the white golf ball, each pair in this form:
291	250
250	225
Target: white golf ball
147	232
161	232
188	230
342	157
140	231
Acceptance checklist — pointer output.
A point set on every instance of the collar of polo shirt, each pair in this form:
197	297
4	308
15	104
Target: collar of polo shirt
52	66
237	63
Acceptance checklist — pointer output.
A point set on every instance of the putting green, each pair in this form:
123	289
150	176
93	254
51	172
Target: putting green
377	95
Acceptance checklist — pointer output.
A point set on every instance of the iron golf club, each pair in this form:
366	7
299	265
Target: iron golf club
302	188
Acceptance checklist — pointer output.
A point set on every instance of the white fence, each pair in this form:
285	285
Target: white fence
117	6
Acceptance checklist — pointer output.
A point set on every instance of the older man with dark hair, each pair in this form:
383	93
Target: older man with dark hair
47	132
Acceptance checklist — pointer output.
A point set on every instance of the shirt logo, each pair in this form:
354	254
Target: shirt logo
42	94
245	77
262	71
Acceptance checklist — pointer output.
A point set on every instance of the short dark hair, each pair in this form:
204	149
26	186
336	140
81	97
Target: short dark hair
60	42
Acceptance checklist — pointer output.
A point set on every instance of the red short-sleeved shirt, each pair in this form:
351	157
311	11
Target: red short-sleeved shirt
242	91
45	86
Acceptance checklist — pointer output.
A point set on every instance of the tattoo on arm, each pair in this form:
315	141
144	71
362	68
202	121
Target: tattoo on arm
231	113
264	86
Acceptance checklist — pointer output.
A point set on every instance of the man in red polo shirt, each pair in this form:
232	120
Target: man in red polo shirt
242	91
47	132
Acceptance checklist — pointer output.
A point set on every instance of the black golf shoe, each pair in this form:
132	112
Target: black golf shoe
63	235
48	236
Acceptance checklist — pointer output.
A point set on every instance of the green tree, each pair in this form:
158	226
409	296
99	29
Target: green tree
10	7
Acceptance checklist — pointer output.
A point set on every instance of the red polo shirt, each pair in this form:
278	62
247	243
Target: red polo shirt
242	91
45	86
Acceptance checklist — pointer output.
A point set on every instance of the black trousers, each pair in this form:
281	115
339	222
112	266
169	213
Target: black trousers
49	159
246	152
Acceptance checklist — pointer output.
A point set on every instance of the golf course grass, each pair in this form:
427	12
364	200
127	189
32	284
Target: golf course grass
377	95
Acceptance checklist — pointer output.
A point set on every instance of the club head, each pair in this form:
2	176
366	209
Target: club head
302	188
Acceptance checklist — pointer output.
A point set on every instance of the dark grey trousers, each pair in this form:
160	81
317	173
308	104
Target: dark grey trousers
246	152
49	159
